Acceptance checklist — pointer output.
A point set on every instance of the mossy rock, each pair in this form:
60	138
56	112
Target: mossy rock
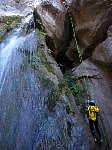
7	24
61	85
68	109
47	82
52	101
42	36
2	37
49	67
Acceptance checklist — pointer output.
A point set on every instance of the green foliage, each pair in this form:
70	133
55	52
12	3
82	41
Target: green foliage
52	100
76	90
49	67
61	85
7	23
8	28
79	101
47	83
3	37
42	35
35	62
67	76
39	57
43	60
11	20
15	19
38	21
68	109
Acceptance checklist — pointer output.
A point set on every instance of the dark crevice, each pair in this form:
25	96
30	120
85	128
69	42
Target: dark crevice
88	77
49	42
37	20
69	128
64	63
61	57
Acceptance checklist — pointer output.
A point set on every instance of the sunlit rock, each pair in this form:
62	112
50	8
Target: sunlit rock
54	20
103	52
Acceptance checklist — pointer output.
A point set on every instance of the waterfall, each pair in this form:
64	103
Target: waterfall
9	49
18	87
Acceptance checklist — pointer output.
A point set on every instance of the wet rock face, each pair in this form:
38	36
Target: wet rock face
92	19
93	26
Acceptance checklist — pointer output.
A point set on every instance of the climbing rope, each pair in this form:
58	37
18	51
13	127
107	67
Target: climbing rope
78	49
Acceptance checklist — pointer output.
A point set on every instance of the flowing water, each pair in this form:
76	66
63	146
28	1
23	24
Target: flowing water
18	89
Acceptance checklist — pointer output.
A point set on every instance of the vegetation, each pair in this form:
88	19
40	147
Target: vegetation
2	37
49	67
8	23
39	57
35	62
47	83
52	100
76	90
42	36
9	20
68	109
39	22
61	85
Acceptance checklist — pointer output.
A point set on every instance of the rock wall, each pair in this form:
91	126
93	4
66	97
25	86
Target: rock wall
98	79
92	21
93	29
56	24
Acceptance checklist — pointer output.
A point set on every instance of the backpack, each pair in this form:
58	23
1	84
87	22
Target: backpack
92	112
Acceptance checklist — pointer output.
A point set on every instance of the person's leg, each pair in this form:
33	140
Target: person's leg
91	127
97	129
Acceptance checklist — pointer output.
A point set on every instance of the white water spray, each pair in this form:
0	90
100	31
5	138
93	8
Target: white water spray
10	47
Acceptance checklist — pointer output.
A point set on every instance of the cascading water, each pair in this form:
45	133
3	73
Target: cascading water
33	115
8	50
17	88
